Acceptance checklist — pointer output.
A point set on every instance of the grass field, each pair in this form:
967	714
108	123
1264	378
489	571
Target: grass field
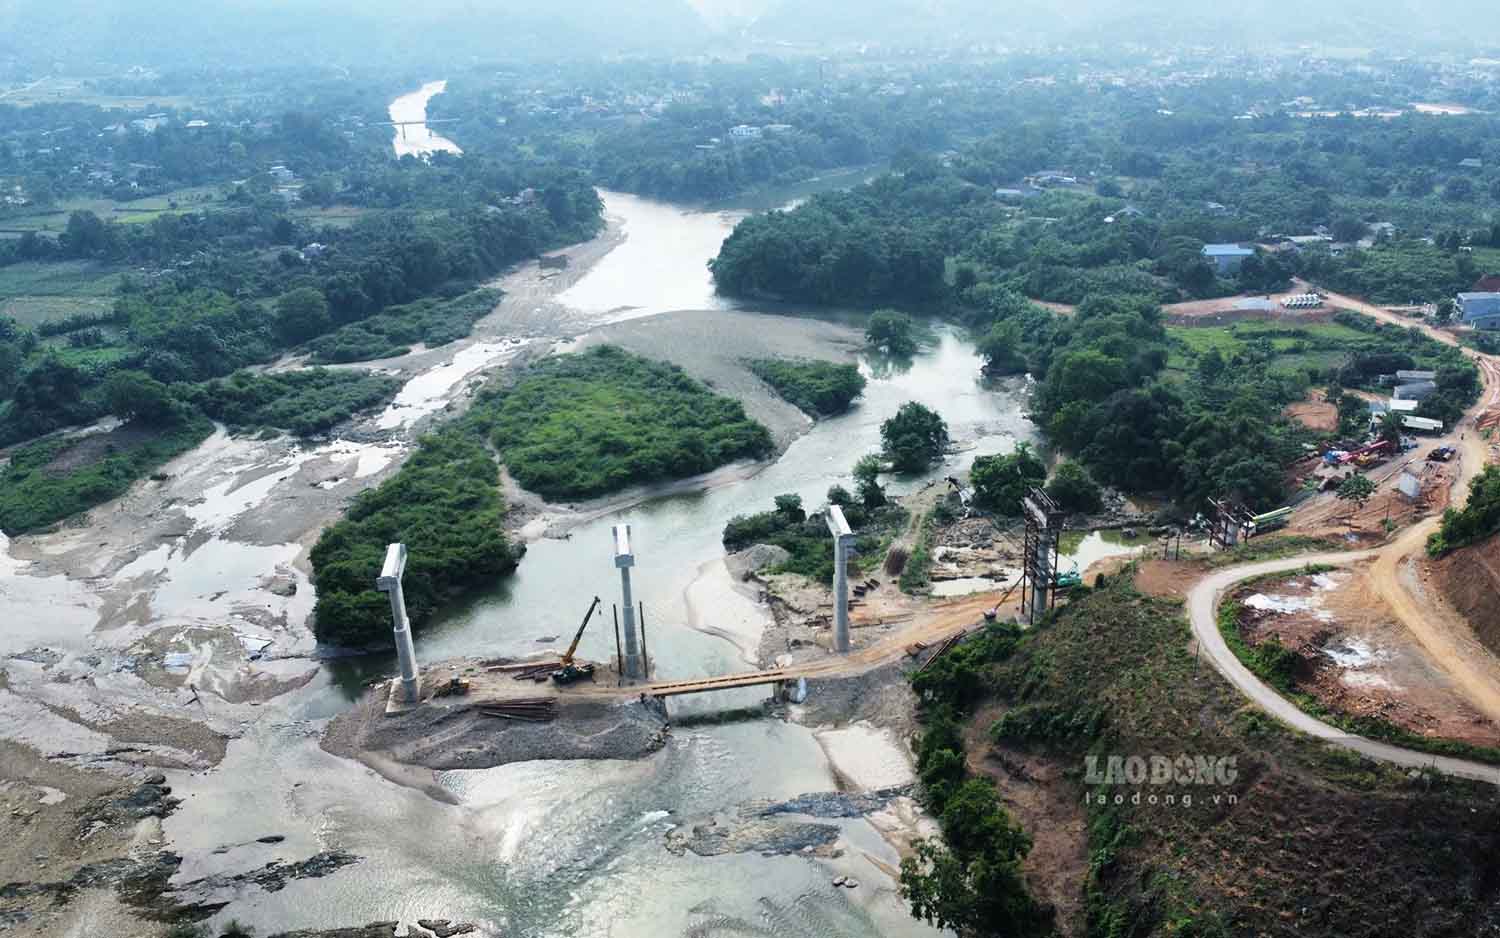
54	90
1319	345
134	211
35	292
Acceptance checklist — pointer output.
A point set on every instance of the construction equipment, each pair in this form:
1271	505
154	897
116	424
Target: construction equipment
570	672
455	686
1442	453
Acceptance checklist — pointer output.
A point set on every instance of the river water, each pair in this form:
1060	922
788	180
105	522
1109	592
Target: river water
416	138
577	848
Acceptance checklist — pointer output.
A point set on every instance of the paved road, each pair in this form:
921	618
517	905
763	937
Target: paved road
1203	603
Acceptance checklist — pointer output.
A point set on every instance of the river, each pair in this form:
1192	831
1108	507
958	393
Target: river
545	848
577	848
412	135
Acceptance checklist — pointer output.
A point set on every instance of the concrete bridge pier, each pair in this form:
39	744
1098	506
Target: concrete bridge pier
389	582
624	560
843	540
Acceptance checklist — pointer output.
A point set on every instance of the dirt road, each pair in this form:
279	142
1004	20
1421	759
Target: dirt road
1444	635
1203	603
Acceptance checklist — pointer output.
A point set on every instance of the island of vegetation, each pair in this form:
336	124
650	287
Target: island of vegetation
577	425
817	388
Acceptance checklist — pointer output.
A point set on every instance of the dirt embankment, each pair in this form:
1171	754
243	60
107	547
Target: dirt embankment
1470	579
1349	653
455	734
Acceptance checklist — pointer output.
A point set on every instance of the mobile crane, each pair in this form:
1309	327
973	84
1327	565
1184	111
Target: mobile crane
570	672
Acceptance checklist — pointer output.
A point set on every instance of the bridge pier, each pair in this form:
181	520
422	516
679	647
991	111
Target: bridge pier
389	582
624	560
843	539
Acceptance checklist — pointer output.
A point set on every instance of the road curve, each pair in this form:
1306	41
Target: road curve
1202	605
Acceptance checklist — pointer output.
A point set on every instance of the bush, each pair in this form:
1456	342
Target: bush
1479	519
303	402
818	388
1073	490
590	424
34	492
891	332
445	505
1000	482
914	438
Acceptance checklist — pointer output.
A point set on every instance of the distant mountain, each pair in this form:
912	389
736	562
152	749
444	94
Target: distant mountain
270	32
1027	22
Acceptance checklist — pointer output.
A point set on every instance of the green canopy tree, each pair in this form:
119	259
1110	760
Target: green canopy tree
914	438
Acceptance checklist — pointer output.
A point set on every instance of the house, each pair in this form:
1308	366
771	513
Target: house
1009	195
1480	310
1226	258
1407	377
745	132
1425	424
1416	391
1216	208
1487	284
1472	162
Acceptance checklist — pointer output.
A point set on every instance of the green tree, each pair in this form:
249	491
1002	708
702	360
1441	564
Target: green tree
302	314
1446	308
1458	189
867	481
790	506
914	438
1001	481
1001	349
892	332
1390	429
135	395
1073	490
1356	490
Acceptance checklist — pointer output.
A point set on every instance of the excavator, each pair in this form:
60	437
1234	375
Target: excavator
570	672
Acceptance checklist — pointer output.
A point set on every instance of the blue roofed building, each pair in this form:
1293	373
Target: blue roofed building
1480	310
1226	258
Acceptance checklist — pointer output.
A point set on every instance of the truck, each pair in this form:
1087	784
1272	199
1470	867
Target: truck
1270	520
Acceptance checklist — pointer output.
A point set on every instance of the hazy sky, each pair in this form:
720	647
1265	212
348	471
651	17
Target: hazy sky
73	32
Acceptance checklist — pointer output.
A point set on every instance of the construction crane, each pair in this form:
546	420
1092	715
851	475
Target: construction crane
570	672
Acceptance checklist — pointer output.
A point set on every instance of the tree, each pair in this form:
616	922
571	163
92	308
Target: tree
1458	189
302	314
1354	414
1001	349
1390	429
892	332
867	481
914	438
790	506
1347	229
1356	490
1073	490
1001	481
838	495
135	395
1446	308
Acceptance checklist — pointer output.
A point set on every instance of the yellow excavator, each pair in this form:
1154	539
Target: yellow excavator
570	672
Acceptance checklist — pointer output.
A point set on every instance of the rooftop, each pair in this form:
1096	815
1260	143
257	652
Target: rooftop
1226	250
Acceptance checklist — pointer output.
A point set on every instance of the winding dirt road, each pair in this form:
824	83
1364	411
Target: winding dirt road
1203	603
1476	675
